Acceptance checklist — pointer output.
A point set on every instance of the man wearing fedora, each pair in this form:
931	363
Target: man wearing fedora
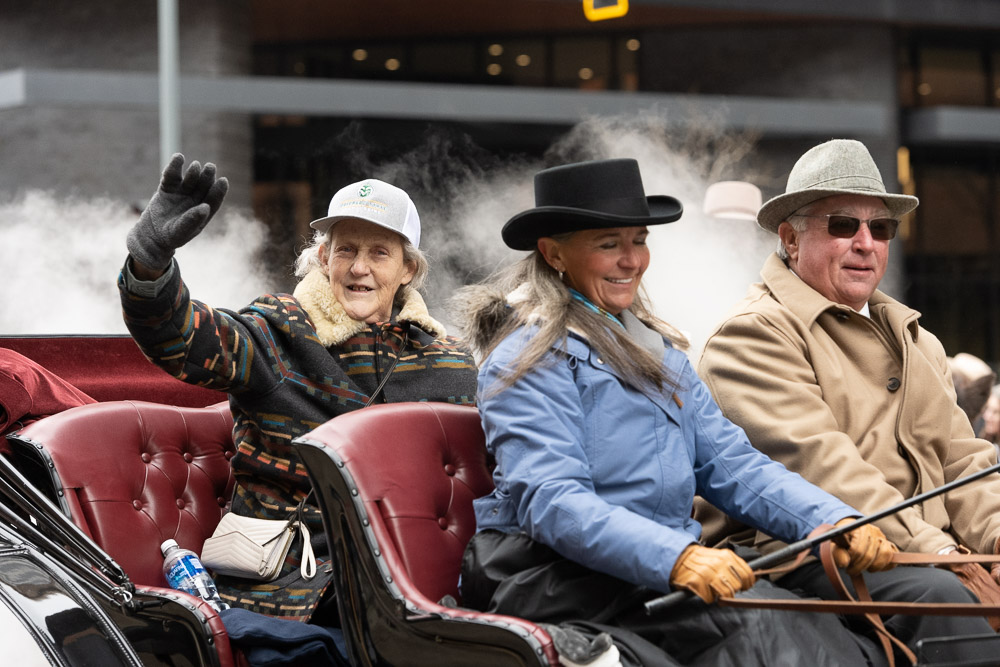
839	382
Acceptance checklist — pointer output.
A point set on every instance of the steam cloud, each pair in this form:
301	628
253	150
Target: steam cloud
61	257
700	266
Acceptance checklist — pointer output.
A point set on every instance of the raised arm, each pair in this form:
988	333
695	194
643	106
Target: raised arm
188	339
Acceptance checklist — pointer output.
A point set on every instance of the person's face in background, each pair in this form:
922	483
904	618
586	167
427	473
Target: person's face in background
991	419
605	265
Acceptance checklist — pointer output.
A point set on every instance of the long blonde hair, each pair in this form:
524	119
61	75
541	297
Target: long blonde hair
530	293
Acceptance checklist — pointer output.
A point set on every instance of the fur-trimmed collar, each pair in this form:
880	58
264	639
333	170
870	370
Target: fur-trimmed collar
334	325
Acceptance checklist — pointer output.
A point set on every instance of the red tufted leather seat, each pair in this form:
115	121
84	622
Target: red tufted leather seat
396	483
132	474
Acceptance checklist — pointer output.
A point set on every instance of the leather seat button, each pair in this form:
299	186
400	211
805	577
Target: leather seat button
180	504
188	457
893	384
221	501
443	522
449	470
136	504
146	458
229	455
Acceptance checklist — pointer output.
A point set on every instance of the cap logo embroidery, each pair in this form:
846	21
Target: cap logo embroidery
365	190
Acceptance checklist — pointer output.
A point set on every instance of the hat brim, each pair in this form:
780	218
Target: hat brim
322	225
778	209
523	230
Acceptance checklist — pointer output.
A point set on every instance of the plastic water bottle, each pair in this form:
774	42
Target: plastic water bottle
184	572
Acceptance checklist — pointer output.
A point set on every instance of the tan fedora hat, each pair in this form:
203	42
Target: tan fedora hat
837	167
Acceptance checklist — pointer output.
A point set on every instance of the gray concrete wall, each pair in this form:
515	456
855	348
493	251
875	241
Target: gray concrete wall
114	151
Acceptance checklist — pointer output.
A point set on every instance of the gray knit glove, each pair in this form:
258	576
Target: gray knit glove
178	211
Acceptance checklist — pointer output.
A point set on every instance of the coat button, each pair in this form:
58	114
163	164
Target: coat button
842	316
599	360
893	384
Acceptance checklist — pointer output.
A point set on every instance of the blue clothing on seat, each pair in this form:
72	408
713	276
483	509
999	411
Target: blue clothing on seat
274	642
606	474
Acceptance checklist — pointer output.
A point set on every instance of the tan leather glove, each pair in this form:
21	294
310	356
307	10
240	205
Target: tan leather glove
711	573
867	549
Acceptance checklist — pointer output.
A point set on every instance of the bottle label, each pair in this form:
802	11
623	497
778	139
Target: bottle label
185	567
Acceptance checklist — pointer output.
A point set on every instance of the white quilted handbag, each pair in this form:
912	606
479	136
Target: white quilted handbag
255	548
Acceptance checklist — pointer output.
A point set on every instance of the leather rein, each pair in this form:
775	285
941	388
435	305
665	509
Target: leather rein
863	603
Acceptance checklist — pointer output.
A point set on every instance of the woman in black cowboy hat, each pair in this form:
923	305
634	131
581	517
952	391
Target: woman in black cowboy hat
603	434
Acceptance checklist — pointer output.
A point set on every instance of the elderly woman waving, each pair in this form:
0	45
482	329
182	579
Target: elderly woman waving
355	331
603	434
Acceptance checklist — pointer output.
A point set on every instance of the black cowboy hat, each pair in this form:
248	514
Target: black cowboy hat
588	195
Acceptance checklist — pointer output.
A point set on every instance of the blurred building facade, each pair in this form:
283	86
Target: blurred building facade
282	94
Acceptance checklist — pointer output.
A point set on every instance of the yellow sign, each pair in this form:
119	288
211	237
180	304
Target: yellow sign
599	10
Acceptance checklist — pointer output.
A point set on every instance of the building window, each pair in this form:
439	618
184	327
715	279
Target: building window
951	76
581	63
444	61
952	254
605	62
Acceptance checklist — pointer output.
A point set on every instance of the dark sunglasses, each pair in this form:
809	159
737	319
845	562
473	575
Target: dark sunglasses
845	226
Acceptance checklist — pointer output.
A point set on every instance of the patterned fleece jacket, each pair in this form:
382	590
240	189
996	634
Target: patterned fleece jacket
290	363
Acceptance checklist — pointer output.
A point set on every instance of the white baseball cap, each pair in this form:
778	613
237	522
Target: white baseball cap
377	202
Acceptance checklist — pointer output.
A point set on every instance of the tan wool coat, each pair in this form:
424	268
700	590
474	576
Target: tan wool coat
864	408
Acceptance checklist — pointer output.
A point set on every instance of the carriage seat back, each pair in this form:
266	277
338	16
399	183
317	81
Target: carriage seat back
132	474
417	474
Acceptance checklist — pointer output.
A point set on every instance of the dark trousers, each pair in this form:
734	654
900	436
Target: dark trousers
908	584
512	574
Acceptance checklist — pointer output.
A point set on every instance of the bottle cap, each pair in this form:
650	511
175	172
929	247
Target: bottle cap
167	545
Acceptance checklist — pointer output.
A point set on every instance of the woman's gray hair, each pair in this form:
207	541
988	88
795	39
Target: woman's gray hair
308	258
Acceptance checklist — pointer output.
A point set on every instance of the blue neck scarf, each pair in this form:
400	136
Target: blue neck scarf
594	307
